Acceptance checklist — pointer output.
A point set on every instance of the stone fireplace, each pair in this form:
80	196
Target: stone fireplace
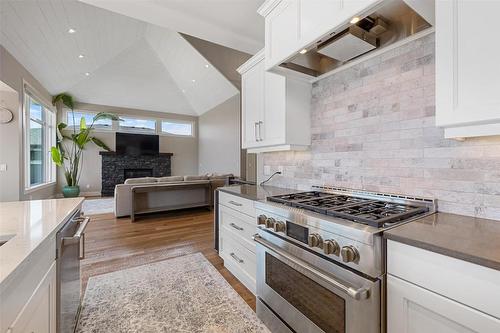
116	168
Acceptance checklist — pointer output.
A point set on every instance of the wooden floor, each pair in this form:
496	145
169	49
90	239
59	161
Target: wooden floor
113	244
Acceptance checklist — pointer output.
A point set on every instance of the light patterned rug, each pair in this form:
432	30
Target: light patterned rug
98	206
183	294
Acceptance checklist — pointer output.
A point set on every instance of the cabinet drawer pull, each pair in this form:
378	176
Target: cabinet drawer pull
235	203
236	226
235	257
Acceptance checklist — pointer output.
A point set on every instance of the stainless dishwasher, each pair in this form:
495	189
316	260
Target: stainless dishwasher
70	249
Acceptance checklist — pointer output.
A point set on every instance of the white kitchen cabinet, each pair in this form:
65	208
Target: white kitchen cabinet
275	109
252	100
237	224
39	313
467	70
291	25
412	309
430	292
281	30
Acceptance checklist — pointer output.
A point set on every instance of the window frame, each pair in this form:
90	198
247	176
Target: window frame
176	121
121	129
97	128
49	124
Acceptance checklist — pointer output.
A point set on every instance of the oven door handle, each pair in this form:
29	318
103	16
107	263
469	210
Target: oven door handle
79	237
357	294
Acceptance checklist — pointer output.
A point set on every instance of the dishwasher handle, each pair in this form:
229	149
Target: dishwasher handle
79	237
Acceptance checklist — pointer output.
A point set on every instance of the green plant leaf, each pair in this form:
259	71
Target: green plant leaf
101	144
66	99
61	126
83	124
56	156
106	115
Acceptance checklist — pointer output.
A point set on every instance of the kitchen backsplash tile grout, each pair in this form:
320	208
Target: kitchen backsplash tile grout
373	128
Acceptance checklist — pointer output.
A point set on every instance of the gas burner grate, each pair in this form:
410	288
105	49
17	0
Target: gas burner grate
372	212
377	213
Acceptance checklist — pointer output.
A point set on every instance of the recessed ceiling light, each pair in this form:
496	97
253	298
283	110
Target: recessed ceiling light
354	20
193	80
71	31
303	51
87	74
183	90
206	66
81	56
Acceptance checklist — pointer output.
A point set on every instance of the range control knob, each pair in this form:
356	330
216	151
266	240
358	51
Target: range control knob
331	246
349	254
279	226
261	219
270	222
315	240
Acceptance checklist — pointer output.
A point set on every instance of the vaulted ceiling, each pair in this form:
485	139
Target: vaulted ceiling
232	23
130	63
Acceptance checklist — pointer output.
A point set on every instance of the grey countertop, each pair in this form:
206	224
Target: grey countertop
467	238
255	192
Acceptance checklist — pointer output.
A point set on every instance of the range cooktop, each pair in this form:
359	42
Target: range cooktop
371	211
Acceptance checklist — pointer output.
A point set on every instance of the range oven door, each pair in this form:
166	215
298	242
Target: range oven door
298	291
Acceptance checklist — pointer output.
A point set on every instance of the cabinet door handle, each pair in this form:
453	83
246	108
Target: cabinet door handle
236	226
235	203
260	130
256	131
235	257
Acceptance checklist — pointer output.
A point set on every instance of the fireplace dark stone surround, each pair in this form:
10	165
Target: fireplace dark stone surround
114	167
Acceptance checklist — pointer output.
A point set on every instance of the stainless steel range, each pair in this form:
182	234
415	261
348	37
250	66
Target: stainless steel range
321	258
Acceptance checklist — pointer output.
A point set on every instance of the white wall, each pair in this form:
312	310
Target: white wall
13	74
219	139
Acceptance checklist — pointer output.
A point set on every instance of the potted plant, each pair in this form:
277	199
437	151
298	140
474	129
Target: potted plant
68	150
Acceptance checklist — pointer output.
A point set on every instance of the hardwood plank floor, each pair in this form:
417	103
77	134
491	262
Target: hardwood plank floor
113	244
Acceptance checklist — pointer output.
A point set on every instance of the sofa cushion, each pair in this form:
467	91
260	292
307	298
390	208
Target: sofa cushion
141	180
215	176
188	178
170	179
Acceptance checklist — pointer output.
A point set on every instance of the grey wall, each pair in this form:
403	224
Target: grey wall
13	73
185	149
373	128
219	138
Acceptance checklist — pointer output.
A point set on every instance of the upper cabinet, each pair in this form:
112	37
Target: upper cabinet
281	30
310	38
467	70
275	109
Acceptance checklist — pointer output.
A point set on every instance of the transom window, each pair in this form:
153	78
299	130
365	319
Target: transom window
177	128
40	135
89	116
137	124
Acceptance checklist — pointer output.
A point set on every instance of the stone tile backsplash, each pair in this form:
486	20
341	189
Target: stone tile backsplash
373	129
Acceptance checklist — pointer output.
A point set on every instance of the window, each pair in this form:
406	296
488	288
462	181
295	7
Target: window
89	116
177	128
40	136
137	125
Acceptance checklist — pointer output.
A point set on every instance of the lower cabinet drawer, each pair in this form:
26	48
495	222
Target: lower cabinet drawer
240	204
239	260
241	226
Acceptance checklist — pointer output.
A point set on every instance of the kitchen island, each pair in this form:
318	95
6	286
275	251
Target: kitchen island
27	261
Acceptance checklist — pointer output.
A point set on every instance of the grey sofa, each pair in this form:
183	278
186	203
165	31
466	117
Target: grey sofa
166	193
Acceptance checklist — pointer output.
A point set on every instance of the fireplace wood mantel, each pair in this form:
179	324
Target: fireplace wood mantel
113	153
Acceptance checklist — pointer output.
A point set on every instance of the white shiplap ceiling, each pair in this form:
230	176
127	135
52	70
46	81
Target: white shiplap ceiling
232	23
131	63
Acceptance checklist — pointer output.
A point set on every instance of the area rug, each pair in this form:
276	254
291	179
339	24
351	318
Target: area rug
98	206
183	294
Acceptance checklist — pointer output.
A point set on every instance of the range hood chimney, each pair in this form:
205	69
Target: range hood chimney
391	22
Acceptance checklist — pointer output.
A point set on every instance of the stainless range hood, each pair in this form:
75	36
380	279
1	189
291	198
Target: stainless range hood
393	21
